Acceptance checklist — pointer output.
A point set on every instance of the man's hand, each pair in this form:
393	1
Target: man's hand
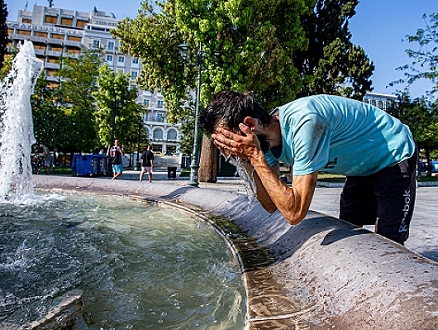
245	145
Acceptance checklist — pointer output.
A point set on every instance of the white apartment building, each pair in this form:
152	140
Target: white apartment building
382	101
57	33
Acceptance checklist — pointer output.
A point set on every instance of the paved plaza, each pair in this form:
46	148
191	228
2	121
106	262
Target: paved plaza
424	228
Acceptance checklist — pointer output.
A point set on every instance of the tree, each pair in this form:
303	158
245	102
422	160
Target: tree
331	64
256	40
116	100
4	40
76	100
424	60
421	115
49	120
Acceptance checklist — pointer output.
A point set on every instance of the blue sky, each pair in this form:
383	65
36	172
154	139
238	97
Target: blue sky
379	27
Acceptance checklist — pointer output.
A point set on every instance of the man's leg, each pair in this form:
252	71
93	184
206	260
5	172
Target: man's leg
150	175
396	192
358	202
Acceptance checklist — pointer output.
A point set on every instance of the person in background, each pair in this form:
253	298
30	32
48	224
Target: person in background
116	154
375	151
48	158
147	163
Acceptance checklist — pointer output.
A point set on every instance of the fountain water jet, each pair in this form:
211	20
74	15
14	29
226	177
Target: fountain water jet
16	126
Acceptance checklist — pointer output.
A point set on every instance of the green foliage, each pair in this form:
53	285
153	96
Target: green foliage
7	65
4	40
421	116
256	40
331	64
115	97
424	60
76	101
49	122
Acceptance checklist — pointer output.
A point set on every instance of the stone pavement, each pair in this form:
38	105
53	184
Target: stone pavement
424	227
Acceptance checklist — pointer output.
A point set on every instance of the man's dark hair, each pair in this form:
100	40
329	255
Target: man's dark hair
231	108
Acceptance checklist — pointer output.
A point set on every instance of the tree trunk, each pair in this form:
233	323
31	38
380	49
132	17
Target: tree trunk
208	161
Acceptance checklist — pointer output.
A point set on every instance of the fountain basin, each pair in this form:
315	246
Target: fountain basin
323	273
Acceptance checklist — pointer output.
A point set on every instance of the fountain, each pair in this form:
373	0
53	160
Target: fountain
87	262
16	128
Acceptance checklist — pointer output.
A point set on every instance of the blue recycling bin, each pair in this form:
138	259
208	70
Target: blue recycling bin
82	164
99	163
95	164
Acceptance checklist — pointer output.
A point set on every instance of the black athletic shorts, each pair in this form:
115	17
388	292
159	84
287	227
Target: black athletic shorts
385	199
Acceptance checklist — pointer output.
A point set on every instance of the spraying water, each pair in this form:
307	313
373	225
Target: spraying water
248	178
16	126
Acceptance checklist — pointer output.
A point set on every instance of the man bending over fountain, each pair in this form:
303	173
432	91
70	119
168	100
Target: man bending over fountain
374	150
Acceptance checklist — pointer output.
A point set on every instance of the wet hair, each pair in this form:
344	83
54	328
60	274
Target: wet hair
231	108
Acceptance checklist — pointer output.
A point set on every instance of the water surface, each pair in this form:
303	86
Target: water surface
140	266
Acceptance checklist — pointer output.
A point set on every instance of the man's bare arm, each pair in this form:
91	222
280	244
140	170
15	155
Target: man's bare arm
293	202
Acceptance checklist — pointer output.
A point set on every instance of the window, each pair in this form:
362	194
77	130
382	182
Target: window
96	44
51	72
171	135
74	38
73	51
26	21
50	19
39	46
146	103
24	32
56	48
81	23
109	58
57	36
40	34
134	74
121	59
159	104
66	21
110	45
135	61
158	134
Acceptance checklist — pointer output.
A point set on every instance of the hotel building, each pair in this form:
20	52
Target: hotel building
57	33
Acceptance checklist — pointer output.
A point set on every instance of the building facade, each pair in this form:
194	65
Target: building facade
57	33
382	101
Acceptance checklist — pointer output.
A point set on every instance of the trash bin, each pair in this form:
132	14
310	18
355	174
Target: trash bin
99	164
171	172
83	165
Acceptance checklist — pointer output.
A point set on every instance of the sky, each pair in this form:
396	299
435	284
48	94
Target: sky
379	27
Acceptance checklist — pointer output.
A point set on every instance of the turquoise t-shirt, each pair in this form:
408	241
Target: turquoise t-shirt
339	135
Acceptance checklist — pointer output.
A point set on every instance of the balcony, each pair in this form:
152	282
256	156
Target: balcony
72	55
53	53
51	65
40	51
75	44
54	41
20	37
40	40
52	78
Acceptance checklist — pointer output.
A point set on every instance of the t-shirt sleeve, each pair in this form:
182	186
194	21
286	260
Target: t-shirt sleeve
311	144
270	159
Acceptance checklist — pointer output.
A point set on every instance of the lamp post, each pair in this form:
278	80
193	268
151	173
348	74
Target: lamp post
113	127
137	164
184	50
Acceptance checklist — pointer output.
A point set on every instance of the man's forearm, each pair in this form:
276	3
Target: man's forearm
293	202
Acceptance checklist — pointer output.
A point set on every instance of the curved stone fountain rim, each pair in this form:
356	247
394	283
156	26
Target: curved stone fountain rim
323	273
